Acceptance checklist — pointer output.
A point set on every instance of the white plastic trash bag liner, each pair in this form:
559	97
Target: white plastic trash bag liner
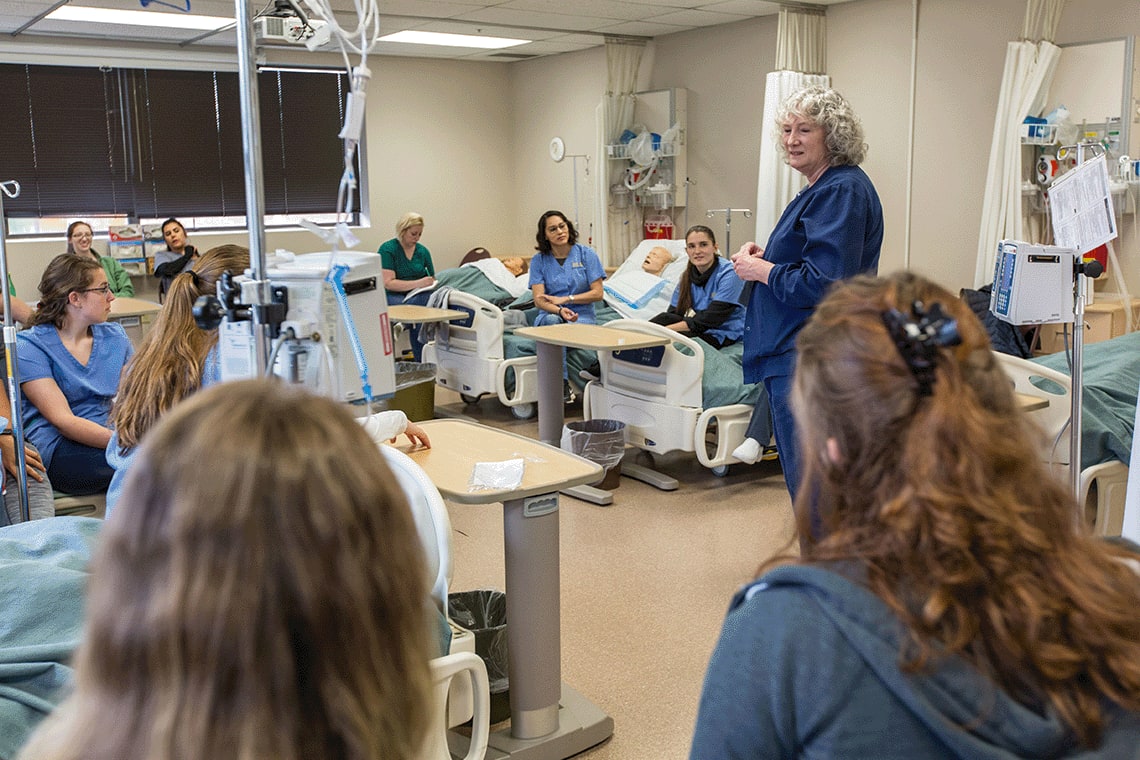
600	441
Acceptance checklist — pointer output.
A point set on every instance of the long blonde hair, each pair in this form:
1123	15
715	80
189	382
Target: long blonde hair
943	501
168	366
260	594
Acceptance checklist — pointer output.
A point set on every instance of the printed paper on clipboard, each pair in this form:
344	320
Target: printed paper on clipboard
1081	204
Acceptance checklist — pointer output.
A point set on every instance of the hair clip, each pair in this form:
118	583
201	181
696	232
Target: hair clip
919	338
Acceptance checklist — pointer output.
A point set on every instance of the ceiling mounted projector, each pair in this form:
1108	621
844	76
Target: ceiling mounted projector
289	30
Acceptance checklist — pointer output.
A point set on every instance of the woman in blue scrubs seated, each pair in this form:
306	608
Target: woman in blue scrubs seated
952	604
565	278
70	362
262	594
706	303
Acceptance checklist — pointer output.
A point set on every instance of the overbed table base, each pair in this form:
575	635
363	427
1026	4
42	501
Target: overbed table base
581	725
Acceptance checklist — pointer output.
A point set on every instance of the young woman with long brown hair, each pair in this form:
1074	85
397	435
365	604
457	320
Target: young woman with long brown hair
175	360
948	604
71	360
261	595
706	303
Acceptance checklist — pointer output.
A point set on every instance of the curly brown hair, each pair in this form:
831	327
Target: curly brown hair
945	503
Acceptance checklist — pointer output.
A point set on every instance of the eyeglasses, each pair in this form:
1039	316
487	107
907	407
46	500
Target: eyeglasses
557	228
81	235
102	290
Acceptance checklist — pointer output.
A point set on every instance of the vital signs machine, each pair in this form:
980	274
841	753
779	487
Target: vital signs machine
328	325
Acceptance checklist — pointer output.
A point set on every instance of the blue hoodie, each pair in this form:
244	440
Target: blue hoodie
807	666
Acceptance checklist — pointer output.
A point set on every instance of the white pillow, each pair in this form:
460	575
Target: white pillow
634	288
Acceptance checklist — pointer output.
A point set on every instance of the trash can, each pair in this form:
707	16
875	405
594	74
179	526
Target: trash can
600	441
415	390
484	613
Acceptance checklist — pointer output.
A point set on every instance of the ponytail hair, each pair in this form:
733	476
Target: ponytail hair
168	366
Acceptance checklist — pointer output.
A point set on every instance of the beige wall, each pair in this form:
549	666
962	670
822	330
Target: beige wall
958	67
725	106
466	143
552	97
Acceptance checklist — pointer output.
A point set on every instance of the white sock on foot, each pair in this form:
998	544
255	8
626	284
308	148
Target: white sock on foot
748	452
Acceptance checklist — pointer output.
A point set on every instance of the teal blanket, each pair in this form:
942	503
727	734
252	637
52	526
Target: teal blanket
43	576
1111	378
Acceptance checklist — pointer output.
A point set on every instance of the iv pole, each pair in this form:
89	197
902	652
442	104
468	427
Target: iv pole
12	190
574	164
728	212
254	180
1082	270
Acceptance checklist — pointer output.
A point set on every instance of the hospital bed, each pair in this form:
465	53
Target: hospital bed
479	356
683	396
470	357
456	699
488	279
1111	378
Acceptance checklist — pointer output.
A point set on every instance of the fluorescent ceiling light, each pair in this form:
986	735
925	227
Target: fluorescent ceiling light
137	18
451	40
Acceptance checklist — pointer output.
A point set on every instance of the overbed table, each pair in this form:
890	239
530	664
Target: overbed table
549	720
549	342
414	314
1030	403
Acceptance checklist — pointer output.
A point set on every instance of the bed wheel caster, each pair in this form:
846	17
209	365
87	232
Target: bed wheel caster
469	399
720	470
523	411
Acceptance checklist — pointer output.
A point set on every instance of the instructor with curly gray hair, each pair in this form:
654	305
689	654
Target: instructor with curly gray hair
831	230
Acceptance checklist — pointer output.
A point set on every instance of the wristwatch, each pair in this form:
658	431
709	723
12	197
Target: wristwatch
571	298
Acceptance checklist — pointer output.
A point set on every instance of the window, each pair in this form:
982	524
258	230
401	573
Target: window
147	144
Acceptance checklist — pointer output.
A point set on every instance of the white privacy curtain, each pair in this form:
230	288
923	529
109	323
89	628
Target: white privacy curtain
620	230
778	183
801	59
1025	84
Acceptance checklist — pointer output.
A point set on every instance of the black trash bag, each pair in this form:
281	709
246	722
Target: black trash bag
484	613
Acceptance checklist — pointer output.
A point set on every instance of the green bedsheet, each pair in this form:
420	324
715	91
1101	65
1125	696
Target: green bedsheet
1111	378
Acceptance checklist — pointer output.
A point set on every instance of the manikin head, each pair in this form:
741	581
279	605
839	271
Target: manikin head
516	265
656	260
